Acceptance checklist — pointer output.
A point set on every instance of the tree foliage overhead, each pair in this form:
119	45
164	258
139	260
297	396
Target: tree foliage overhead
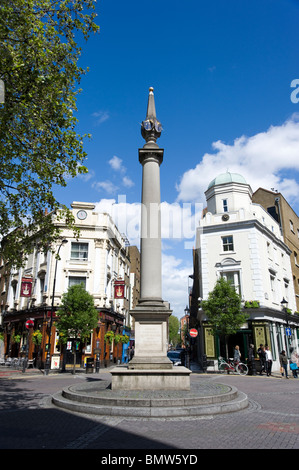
223	309
39	146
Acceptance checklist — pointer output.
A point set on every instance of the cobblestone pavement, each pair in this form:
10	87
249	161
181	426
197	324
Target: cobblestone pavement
28	420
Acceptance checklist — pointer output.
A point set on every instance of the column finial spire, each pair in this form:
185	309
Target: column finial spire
151	128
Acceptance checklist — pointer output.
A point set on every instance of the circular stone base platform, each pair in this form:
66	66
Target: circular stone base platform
203	399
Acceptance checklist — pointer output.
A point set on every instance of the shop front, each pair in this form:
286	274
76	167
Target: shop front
275	332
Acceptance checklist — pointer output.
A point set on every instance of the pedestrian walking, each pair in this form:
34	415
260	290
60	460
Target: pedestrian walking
283	363
251	360
294	363
262	356
269	360
237	355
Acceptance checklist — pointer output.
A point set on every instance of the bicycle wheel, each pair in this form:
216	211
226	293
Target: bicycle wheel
222	367
242	369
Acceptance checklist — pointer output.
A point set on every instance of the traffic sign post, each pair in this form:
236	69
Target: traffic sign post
29	324
193	333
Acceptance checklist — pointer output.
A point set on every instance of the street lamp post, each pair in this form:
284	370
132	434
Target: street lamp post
187	338
47	364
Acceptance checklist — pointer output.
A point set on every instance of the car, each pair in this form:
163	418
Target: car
175	357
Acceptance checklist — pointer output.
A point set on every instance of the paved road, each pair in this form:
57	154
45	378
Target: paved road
28	420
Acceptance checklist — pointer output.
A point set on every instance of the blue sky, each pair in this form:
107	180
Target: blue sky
222	74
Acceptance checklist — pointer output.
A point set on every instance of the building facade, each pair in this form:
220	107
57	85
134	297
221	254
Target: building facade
239	240
276	205
98	259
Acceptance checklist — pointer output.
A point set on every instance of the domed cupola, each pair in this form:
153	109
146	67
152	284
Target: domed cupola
226	178
228	192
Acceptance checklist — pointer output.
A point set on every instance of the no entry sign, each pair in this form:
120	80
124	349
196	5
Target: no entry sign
29	324
193	333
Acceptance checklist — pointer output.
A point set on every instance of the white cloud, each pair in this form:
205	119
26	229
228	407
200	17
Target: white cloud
116	164
107	186
128	183
265	160
101	116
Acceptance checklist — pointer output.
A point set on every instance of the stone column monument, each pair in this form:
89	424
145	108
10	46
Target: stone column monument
150	367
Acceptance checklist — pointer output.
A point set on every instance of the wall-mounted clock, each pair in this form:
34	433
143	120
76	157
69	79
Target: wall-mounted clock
81	214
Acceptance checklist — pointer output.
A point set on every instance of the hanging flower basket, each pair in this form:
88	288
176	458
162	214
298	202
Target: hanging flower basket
16	338
117	339
125	339
37	337
109	337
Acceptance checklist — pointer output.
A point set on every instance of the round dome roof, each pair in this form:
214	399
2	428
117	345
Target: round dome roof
227	177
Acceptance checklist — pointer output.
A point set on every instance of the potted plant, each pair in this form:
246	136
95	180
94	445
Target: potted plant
251	304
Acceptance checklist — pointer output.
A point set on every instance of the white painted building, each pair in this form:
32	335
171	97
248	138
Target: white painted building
99	259
240	241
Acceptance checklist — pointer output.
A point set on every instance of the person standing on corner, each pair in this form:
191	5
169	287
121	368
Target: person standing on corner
262	356
283	363
294	363
269	360
237	355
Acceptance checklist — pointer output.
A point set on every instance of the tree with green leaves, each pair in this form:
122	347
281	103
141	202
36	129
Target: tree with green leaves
39	145
173	328
223	310
77	316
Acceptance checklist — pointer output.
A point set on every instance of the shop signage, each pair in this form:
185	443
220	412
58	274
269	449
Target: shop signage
26	287
119	289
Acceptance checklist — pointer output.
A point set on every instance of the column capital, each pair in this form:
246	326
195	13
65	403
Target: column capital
155	155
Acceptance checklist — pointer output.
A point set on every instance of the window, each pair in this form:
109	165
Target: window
268	249
233	277
286	289
225	205
75	280
79	251
41	288
273	283
227	243
292	226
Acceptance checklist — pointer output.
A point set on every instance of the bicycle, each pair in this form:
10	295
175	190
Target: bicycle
231	366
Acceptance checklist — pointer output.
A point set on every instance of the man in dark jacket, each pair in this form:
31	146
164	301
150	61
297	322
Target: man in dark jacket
262	356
